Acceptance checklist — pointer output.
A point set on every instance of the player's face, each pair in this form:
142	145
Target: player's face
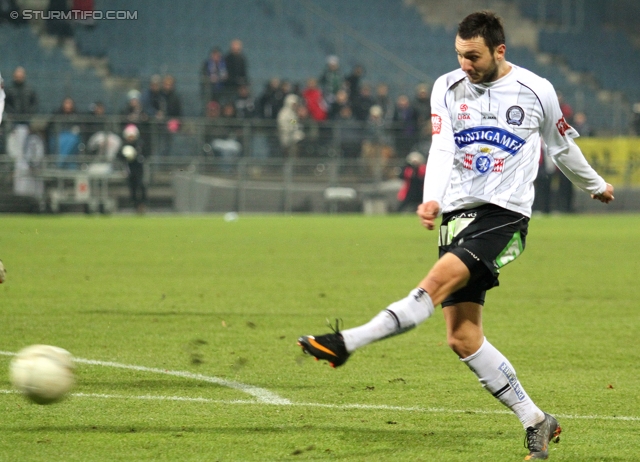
477	61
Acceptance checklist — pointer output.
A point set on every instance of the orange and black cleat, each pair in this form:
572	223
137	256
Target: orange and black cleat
539	436
329	347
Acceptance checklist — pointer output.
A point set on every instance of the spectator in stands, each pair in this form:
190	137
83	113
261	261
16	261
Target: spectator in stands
331	79
362	102
410	195
245	103
20	103
340	102
424	137
226	145
377	146
25	176
289	129
170	102
353	81
212	128
348	133
170	112
313	101
66	132
287	89
236	67
383	100
133	156
405	125
133	111
99	139
581	124
544	177
422	105
228	111
565	107
270	101
152	98
20	99
214	76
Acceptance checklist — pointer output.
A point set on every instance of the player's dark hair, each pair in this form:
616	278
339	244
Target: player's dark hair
483	24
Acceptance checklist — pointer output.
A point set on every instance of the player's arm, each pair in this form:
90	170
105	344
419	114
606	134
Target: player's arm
566	154
440	162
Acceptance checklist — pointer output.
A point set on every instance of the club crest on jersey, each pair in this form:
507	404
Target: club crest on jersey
483	162
493	136
515	115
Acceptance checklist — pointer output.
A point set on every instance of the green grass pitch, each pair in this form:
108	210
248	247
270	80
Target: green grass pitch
212	309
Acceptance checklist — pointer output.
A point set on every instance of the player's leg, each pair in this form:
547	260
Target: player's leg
496	374
447	275
466	338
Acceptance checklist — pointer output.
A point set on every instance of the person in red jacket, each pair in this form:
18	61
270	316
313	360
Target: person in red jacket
410	195
314	101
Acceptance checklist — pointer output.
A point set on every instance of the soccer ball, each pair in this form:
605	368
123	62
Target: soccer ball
43	373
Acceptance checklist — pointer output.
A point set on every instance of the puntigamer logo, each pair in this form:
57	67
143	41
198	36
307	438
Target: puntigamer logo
513	380
493	136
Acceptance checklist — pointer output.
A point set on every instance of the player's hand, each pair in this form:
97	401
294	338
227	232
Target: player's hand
606	196
428	212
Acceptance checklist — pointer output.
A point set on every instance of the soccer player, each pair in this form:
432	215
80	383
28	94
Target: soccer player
488	119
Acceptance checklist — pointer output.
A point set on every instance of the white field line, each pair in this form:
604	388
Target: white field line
273	399
381	407
260	394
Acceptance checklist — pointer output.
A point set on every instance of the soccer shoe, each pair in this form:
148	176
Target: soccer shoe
329	347
538	437
3	272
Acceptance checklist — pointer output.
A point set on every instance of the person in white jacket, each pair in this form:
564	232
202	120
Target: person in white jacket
488	120
289	130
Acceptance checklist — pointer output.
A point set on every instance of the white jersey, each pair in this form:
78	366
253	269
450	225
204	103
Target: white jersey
486	142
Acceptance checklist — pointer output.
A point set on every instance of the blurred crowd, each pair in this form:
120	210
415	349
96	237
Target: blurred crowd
335	113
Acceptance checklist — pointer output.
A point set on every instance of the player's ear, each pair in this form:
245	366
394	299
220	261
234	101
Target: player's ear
500	51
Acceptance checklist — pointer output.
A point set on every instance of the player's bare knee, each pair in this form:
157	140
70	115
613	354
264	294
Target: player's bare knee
463	345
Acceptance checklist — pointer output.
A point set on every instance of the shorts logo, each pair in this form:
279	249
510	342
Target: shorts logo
515	115
464	107
513	380
436	124
562	126
475	257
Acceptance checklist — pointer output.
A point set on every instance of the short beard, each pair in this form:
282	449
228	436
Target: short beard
491	76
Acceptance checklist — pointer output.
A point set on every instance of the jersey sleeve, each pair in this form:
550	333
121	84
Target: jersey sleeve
441	154
558	136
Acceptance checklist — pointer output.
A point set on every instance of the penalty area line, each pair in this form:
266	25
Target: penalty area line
382	407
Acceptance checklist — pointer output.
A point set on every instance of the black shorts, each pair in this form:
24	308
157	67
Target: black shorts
485	238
